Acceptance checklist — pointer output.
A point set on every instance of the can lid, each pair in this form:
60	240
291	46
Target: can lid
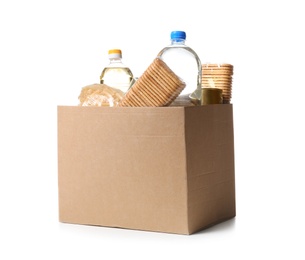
178	35
115	53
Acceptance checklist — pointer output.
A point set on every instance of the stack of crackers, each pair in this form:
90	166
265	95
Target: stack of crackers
218	76
158	86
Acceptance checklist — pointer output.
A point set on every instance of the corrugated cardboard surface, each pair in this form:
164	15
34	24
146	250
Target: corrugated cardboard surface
166	169
210	165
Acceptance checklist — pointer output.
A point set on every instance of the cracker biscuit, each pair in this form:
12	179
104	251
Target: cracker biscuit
155	93
150	96
217	65
158	86
218	75
164	85
213	72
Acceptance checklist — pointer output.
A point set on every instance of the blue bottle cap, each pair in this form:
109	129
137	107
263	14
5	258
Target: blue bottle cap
175	35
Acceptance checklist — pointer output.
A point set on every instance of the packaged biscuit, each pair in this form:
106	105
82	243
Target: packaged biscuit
158	86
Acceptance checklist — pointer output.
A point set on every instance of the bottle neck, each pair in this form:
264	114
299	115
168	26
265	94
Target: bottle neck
178	42
115	60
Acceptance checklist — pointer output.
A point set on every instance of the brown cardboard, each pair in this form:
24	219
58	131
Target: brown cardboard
165	169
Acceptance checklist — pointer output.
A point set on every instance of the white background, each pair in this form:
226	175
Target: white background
49	50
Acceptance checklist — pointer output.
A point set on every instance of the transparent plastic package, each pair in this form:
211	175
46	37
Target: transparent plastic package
158	86
100	95
215	75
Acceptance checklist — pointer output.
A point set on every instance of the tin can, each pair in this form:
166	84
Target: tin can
211	96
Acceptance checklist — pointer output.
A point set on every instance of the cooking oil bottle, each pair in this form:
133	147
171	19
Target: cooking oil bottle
116	74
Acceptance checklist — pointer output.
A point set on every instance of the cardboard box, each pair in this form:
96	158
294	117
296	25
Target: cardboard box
164	169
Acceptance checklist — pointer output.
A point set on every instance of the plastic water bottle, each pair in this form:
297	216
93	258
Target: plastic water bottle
116	74
183	61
